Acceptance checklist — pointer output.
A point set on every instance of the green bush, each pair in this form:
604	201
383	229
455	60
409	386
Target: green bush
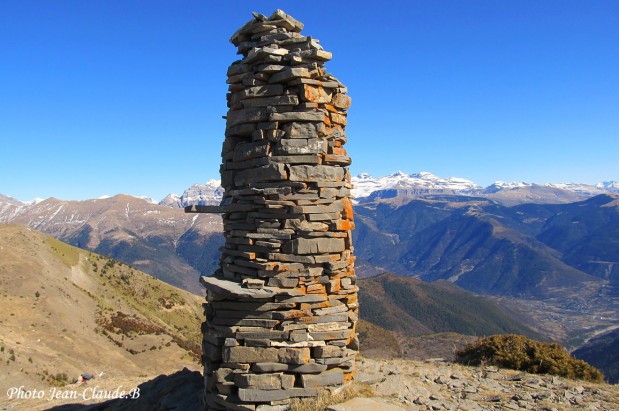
520	353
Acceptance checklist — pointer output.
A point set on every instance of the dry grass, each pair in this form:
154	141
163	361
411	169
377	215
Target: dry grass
348	392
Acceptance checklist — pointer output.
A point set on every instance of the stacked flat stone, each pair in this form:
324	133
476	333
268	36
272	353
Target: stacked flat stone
282	308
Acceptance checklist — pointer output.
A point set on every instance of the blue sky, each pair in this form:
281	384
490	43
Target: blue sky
107	97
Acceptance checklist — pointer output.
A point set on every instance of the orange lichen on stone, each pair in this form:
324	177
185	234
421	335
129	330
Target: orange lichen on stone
315	94
341	100
347	213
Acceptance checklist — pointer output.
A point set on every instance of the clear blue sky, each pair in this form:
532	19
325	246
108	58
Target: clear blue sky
105	97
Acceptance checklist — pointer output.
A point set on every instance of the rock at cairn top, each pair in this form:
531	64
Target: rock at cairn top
260	24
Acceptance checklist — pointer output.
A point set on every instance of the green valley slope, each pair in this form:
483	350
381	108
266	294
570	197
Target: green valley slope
406	317
414	307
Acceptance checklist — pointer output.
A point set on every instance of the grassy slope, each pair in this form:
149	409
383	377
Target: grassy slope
64	310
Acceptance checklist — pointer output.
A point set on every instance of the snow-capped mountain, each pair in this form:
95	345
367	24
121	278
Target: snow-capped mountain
585	189
612	186
395	184
368	188
505	185
210	193
365	184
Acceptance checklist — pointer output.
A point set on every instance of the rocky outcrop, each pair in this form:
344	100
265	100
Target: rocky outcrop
438	385
396	384
282	307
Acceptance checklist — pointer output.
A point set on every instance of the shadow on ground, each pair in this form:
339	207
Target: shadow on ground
179	391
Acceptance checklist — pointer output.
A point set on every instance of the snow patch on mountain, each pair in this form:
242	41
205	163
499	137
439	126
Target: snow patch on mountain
34	201
585	189
428	183
612	186
365	184
147	199
210	193
171	200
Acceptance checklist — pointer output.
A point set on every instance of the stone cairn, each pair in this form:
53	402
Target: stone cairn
282	308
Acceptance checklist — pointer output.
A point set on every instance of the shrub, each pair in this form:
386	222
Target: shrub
127	324
59	380
520	353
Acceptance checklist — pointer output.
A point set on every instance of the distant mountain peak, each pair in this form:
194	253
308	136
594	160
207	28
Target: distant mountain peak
210	193
34	201
609	185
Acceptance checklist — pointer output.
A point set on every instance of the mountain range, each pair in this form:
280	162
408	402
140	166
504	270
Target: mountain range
367	188
416	225
488	248
400	183
530	244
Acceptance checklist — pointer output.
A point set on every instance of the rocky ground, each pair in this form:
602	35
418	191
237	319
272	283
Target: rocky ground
409	385
438	385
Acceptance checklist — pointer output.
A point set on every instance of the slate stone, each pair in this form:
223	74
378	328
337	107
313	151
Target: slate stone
259	381
294	355
234	289
326	378
268	172
313	116
340	100
253	395
288	100
327	351
248	151
301	146
288	74
312	368
315	94
300	130
316	173
303	246
250	354
311	159
281	19
262	91
262	54
249	115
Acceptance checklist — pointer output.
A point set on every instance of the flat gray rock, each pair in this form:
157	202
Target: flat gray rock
230	287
